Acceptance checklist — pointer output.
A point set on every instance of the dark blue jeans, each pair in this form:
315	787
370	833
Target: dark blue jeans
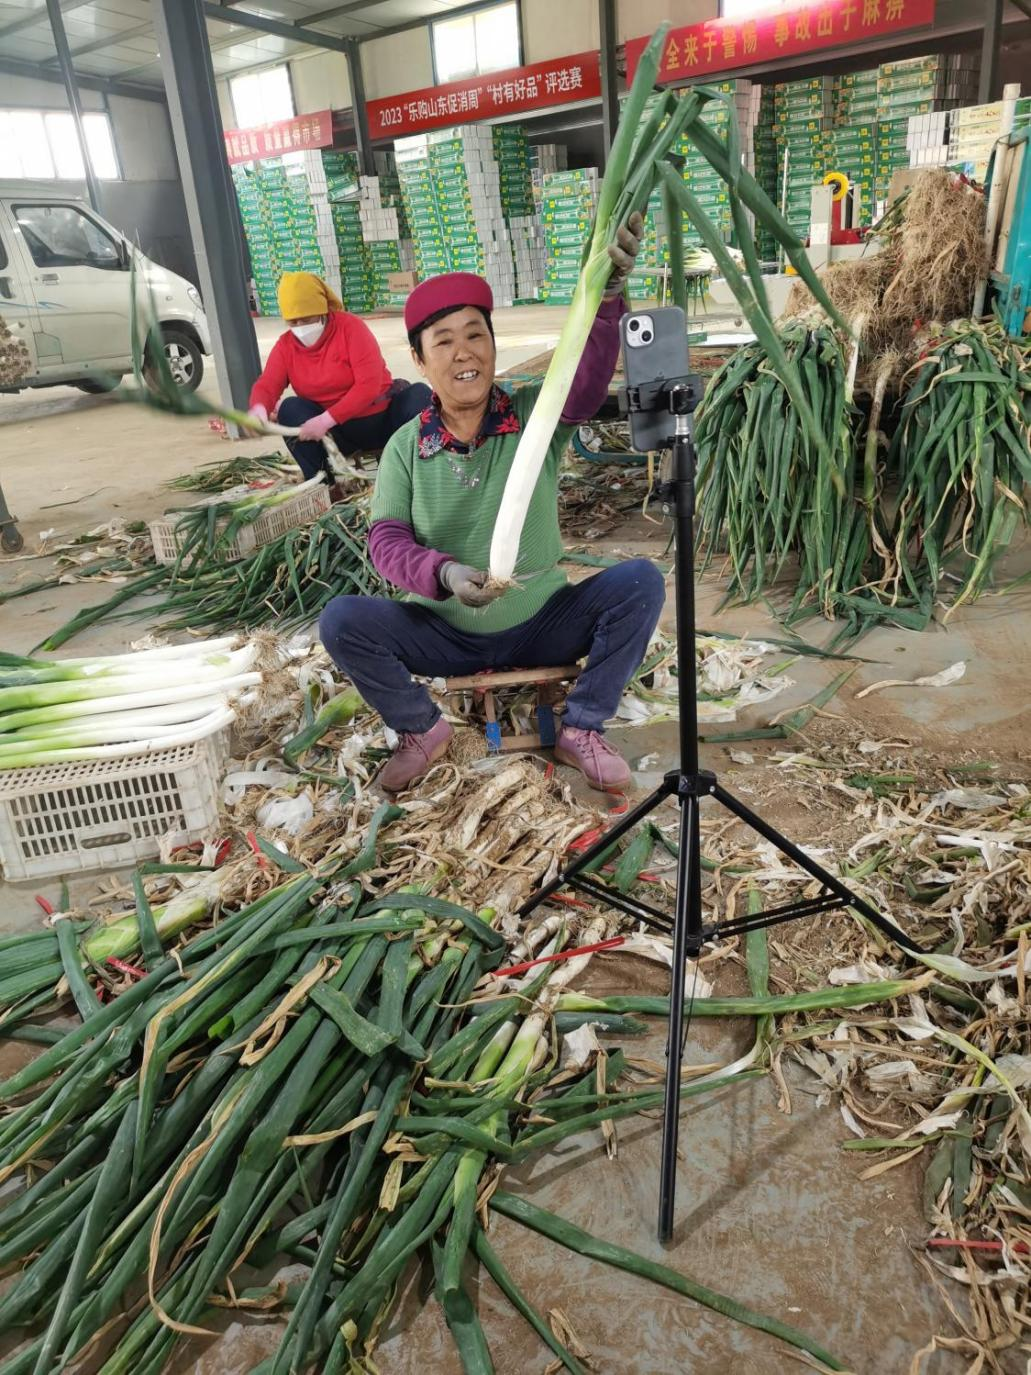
364	433
380	643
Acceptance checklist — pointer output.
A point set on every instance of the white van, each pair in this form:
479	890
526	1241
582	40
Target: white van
64	292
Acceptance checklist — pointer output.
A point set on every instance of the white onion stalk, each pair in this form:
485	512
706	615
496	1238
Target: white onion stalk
113	729
544	418
185	735
135	662
86	683
152	697
120	936
173	714
629	176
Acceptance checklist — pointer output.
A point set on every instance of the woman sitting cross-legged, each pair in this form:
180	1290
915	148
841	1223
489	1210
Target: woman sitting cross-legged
437	494
334	364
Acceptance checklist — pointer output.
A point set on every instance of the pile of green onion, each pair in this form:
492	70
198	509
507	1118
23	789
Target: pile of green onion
284	583
111	707
860	548
207	532
303	1082
962	452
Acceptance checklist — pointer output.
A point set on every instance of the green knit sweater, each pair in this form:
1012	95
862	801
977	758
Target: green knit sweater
447	514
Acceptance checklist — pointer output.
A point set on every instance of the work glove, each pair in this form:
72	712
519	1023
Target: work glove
316	428
467	584
260	415
624	254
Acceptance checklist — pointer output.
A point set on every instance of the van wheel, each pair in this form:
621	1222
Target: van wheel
12	541
97	386
184	359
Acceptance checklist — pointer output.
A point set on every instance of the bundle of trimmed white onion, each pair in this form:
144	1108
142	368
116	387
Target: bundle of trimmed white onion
107	708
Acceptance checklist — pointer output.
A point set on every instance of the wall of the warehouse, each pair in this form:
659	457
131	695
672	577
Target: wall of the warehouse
639	18
399	63
321	82
551	30
147	203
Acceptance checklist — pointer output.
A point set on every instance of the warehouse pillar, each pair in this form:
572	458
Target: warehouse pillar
992	37
71	90
609	80
366	163
210	199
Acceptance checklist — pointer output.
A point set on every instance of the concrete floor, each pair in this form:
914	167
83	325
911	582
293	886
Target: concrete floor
772	1212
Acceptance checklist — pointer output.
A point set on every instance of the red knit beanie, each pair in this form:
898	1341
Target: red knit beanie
450	290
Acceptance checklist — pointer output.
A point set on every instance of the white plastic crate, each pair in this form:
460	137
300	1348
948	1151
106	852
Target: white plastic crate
302	509
107	813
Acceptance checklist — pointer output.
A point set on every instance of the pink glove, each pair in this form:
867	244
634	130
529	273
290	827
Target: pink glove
316	428
260	415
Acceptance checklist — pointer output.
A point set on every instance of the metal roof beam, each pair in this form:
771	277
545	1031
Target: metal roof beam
297	33
13	66
71	90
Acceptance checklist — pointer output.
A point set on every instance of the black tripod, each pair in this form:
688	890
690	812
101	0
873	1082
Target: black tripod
689	785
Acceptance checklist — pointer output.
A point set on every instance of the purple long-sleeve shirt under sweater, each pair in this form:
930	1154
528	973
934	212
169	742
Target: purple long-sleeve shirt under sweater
396	554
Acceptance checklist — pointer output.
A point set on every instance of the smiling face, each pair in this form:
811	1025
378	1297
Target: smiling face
458	358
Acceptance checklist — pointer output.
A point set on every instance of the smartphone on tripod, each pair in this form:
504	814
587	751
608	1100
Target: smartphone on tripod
655	357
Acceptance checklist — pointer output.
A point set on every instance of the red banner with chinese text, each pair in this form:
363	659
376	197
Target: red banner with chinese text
558	82
286	136
698	50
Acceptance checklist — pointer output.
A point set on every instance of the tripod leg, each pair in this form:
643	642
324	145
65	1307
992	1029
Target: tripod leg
687	941
792	851
624	824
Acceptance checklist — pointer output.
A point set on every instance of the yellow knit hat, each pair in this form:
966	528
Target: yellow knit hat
302	293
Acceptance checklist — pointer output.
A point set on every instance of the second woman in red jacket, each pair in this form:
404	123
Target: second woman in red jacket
342	385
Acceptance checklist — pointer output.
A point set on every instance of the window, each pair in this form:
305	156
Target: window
63	236
262	97
487	41
42	145
744	9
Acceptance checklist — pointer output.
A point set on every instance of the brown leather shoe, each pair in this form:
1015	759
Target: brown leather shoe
414	756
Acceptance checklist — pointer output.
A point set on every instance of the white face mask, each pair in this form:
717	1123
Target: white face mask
308	334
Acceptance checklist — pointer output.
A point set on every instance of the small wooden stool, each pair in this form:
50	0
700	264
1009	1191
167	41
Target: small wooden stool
547	681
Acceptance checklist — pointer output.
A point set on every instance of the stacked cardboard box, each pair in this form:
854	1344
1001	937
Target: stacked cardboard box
257	228
545	158
382	208
927	139
855	98
515	159
852	150
920	85
568	201
322	210
803	112
974	131
357	285
451	189
388	258
512	155
766	165
917	87
706	184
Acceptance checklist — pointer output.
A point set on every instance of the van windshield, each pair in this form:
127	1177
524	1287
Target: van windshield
63	236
